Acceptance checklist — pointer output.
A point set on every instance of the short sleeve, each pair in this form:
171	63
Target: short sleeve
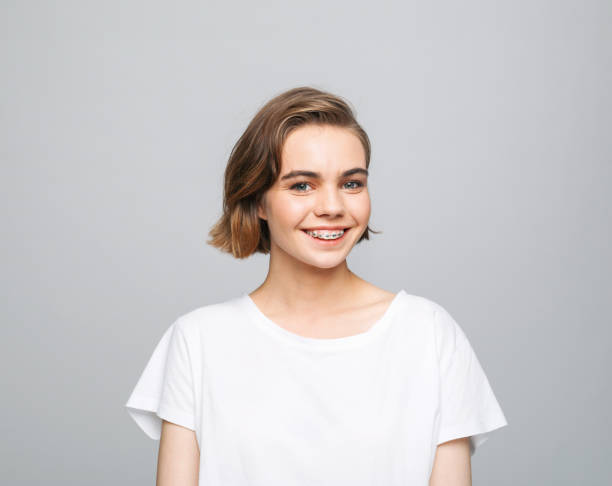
165	388
468	406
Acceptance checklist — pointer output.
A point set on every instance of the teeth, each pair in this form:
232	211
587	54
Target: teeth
326	235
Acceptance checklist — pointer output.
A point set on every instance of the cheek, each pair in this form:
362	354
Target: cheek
360	207
296	206
288	211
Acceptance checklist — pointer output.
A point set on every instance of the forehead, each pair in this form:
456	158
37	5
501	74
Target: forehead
323	148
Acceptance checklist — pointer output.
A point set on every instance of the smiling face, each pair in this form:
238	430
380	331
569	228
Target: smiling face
322	183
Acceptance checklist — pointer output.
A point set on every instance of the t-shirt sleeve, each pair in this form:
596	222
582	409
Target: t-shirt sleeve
468	406
165	388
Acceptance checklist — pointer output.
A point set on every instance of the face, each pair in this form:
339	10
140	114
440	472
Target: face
322	183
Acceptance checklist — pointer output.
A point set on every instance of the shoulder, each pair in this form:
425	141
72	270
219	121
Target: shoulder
207	316
433	314
425	307
410	303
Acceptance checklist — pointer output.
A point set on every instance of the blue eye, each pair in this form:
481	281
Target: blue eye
294	186
359	184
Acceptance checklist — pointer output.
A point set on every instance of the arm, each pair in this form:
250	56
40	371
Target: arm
452	464
178	461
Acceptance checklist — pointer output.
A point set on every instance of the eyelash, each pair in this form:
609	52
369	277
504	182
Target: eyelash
359	184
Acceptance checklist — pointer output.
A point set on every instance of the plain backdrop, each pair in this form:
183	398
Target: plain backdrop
490	178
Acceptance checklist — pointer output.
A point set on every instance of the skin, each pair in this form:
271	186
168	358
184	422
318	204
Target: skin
309	289
178	459
452	464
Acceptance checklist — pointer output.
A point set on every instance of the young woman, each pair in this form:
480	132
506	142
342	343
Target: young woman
317	377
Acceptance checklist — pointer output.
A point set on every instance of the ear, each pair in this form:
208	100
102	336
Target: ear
261	209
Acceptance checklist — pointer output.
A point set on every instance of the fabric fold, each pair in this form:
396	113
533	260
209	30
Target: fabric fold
164	389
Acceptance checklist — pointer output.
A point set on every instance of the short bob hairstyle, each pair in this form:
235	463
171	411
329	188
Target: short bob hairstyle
255	162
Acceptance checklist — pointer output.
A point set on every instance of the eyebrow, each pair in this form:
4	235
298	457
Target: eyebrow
316	175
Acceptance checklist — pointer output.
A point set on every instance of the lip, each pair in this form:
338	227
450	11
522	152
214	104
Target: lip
326	243
329	228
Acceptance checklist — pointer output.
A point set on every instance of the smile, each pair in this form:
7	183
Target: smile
327	237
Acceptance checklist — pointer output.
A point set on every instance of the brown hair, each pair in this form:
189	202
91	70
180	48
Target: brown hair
255	161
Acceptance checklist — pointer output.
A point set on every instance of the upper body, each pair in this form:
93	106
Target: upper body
268	406
317	376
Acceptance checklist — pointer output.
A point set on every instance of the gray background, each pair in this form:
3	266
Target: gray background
490	177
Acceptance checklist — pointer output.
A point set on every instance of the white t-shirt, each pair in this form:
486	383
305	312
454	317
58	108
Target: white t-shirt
270	407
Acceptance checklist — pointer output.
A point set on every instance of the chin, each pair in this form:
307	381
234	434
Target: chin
325	263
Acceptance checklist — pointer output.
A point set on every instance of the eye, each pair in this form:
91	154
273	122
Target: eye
358	184
297	184
300	186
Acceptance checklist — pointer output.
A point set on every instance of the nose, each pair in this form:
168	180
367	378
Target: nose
329	202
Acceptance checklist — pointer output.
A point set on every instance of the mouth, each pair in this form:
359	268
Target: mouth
325	240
